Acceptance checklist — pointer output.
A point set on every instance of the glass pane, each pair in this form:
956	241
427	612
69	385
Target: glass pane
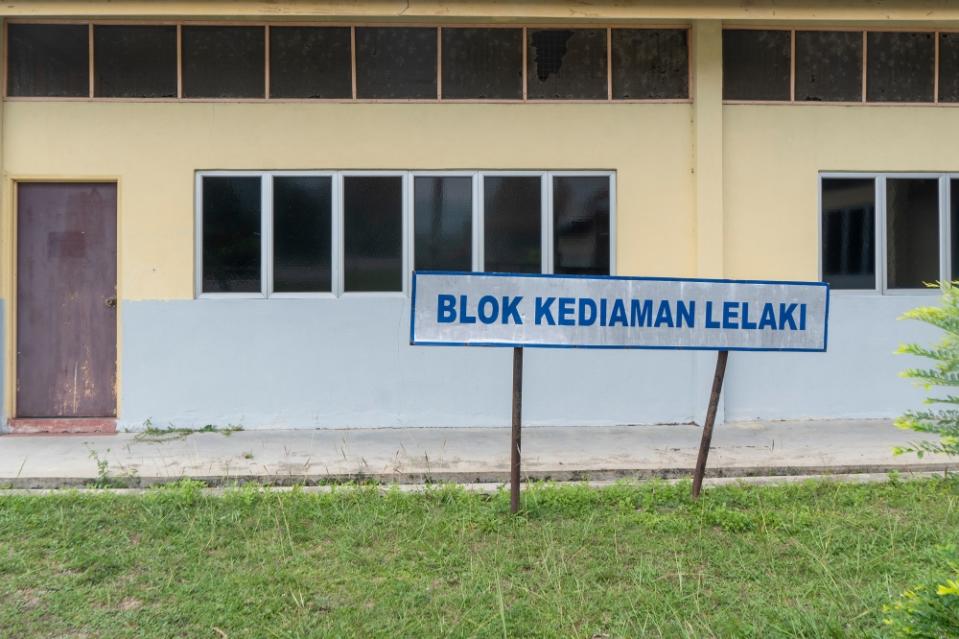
482	64
954	227
224	62
310	62
302	231
443	223
48	60
134	61
849	233
650	64
512	220
581	225
231	235
567	64
949	67
829	66
396	63
900	66
755	64
912	232
373	233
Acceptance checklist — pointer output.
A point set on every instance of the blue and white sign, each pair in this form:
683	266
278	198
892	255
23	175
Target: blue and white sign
568	311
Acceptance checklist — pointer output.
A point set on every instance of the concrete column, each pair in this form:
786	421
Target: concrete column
707	91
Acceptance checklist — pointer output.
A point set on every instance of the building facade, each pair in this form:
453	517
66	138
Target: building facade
211	210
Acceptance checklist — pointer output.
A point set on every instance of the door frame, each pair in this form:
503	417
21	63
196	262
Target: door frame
9	283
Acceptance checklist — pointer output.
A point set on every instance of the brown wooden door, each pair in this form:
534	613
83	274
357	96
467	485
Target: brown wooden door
66	300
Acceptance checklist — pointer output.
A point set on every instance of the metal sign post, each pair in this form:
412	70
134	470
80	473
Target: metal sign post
571	311
515	444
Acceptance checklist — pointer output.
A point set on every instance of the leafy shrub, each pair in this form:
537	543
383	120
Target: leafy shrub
943	373
928	611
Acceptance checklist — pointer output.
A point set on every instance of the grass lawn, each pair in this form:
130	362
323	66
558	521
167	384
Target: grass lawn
816	559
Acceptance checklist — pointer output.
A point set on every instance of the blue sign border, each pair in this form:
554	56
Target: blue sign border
825	340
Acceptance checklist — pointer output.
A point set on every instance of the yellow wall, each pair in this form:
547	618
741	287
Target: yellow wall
773	155
154	149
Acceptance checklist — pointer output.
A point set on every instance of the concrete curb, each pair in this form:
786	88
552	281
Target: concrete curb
493	477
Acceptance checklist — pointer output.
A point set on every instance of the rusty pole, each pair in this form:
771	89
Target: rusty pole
710	420
514	461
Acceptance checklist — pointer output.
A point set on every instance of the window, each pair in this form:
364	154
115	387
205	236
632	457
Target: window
829	66
903	214
482	64
756	64
650	64
567	64
373	233
310	62
308	233
223	62
443	223
901	66
48	60
949	67
135	61
396	63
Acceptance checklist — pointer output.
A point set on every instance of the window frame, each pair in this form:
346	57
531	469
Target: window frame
880	240
337	236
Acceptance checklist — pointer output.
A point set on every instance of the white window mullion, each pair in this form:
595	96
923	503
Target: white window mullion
612	224
266	234
945	230
339	247
198	240
408	257
479	223
546	222
881	269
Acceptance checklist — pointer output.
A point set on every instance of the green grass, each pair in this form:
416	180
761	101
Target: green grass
634	560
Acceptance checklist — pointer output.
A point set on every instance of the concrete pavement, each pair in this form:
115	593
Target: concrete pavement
474	455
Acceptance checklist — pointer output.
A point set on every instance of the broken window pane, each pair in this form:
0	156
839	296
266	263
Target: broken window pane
302	233
231	234
482	64
134	61
396	63
443	223
829	66
373	233
512	220
223	62
900	66
912	232
310	62
48	60
581	225
567	64
849	233
756	64
949	67
650	64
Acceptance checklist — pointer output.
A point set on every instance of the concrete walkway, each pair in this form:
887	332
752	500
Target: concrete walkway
473	455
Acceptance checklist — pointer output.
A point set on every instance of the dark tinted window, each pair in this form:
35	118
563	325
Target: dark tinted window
756	64
849	233
650	64
949	67
396	62
373	233
223	62
829	66
511	224
302	231
482	64
443	223
900	66
954	227
567	64
48	60
231	234
134	61
310	62
581	225
912	232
